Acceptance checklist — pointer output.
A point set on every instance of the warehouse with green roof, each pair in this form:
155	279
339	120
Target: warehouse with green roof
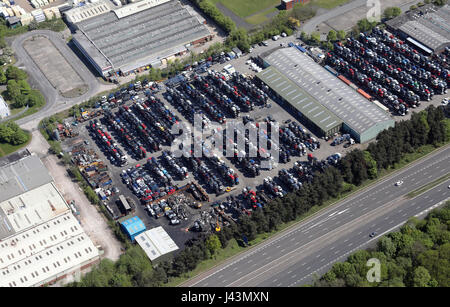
320	99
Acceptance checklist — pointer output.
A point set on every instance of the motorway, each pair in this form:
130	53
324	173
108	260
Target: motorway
292	257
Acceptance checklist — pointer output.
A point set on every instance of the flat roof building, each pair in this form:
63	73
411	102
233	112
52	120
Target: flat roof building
40	239
156	242
320	97
133	227
138	35
428	28
4	108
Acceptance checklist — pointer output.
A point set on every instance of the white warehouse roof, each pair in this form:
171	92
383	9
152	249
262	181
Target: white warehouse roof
156	242
45	252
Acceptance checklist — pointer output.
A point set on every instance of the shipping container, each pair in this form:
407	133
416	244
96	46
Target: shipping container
344	79
331	70
364	94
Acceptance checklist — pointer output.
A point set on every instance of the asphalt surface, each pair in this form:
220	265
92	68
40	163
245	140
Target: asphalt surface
292	257
55	102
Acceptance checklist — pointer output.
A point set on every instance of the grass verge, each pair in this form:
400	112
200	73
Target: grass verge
234	249
6	148
428	186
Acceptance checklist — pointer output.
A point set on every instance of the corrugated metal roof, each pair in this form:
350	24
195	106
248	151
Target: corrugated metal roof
133	226
156	242
299	99
328	91
21	176
131	40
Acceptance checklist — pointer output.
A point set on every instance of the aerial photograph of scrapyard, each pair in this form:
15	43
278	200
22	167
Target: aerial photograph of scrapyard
212	145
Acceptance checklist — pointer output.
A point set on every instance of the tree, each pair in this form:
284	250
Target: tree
315	37
386	246
391	12
304	36
332	36
421	277
440	2
341	35
13	89
365	25
12	72
213	244
2	77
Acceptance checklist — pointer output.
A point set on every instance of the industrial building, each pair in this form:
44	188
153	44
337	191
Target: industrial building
132	227
4	108
427	28
40	239
319	98
137	36
289	4
156	243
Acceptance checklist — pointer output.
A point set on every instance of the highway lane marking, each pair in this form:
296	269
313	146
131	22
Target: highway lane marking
358	247
293	276
332	248
293	239
234	269
336	252
350	244
282	250
220	276
350	202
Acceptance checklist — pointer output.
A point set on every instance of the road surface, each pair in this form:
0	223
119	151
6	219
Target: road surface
293	256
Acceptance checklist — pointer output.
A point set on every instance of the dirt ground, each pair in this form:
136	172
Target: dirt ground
92	221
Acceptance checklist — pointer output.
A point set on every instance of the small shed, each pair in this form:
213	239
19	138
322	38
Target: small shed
237	51
13	22
133	227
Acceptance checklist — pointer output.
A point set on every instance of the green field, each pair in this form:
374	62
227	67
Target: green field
245	8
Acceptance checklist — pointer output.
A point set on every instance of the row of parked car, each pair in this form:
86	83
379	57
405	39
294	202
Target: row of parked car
145	183
389	69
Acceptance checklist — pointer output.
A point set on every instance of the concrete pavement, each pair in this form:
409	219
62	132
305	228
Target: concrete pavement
291	257
55	102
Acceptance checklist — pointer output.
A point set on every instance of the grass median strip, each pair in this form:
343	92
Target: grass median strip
428	186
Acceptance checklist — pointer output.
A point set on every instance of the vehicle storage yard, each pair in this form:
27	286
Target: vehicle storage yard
185	195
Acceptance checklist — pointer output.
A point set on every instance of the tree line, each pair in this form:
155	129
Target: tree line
10	133
426	127
416	256
18	90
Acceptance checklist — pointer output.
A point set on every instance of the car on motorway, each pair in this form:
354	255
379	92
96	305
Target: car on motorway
449	186
373	234
399	183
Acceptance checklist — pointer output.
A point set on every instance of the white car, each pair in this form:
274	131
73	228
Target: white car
399	183
445	101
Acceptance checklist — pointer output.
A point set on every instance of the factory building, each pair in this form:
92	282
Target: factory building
427	28
289	4
138	35
40	239
319	99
